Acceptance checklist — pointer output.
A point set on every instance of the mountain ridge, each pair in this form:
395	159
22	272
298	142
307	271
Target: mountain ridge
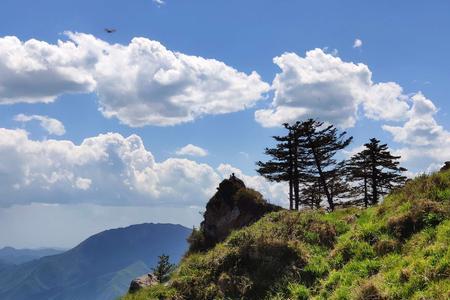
99	267
15	256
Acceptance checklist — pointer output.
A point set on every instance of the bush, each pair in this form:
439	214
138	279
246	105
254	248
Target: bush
423	213
197	241
156	292
349	249
298	291
385	246
368	291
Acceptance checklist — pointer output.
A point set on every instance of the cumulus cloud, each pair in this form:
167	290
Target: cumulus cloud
142	83
192	150
51	125
159	2
421	129
323	86
105	169
423	138
35	71
83	183
357	43
108	169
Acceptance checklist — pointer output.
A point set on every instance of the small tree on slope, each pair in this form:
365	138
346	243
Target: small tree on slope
163	268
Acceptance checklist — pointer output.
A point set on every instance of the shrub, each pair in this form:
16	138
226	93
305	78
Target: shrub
197	241
368	291
385	246
326	233
298	291
349	249
423	213
155	292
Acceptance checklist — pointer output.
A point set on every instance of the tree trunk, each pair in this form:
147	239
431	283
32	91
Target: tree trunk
290	173
374	182
322	178
296	172
366	200
291	200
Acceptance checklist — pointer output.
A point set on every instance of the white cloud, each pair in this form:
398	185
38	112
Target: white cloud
107	169
425	141
323	86
142	83
51	125
192	150
35	71
357	43
83	183
421	129
244	154
159	2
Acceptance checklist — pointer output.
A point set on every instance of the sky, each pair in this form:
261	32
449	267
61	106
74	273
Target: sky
100	130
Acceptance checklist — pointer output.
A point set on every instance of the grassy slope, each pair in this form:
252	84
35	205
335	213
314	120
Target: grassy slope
397	250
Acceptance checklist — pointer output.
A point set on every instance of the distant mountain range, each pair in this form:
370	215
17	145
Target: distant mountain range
10	255
100	268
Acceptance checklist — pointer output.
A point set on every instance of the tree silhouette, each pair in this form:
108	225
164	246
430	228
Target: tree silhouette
322	142
305	157
163	268
358	173
284	165
376	170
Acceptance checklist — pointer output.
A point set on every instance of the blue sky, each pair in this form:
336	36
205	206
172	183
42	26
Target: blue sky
397	77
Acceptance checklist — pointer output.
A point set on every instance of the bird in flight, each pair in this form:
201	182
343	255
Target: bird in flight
110	30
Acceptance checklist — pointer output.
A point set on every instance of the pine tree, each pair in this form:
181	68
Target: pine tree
340	188
163	268
311	195
358	173
321	143
305	157
280	167
377	169
284	165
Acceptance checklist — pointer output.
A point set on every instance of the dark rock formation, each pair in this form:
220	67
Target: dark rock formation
232	207
446	166
142	282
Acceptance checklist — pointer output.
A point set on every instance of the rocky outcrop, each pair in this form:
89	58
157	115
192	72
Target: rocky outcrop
142	282
232	207
446	166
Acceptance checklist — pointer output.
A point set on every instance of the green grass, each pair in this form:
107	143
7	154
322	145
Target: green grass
397	250
155	293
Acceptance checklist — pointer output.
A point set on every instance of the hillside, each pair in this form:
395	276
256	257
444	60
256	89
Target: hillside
99	268
399	249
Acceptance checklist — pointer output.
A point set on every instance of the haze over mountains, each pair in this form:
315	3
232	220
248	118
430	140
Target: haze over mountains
99	268
10	255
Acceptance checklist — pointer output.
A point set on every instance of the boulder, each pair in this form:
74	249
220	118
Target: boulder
446	166
142	282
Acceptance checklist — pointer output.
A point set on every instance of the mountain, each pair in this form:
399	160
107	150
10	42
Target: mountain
100	268
398	249
10	255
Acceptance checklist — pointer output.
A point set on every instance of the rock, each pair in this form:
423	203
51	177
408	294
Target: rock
446	166
232	207
142	282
